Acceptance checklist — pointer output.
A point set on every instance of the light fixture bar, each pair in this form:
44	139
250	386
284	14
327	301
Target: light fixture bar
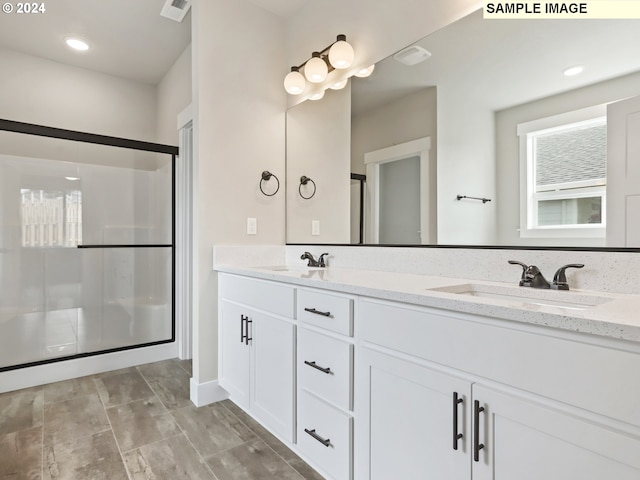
336	56
324	53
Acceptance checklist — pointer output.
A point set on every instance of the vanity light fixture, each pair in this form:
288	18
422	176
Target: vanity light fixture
574	70
77	44
338	55
317	96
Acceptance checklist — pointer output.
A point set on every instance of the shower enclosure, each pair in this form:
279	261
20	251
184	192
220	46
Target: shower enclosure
86	244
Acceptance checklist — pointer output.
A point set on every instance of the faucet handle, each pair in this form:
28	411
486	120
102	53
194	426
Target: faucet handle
560	279
308	256
321	260
524	270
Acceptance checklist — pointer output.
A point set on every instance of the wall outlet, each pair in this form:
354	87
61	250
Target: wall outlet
315	227
252	226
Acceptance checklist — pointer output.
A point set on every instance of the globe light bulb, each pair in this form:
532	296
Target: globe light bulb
294	82
316	69
365	72
339	85
341	53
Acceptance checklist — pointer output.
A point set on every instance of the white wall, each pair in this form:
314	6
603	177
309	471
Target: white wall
173	96
318	138
508	166
466	166
240	57
239	110
35	90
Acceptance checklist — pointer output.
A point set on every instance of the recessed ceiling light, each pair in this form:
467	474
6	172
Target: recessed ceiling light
77	44
73	179
575	70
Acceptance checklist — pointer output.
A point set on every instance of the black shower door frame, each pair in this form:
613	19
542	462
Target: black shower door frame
76	136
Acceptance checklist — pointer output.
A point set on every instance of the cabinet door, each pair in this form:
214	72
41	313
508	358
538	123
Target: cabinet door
234	352
408	416
273	367
526	440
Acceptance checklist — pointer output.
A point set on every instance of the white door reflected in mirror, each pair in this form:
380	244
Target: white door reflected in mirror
398	196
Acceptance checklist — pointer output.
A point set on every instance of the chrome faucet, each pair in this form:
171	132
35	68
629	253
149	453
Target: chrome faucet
532	276
312	261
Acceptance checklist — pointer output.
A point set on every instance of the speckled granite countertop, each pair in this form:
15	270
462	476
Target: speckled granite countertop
607	314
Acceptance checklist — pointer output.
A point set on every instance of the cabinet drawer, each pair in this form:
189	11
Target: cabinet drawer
324	436
325	367
325	310
271	297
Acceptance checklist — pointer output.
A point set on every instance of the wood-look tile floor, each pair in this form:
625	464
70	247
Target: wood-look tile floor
135	424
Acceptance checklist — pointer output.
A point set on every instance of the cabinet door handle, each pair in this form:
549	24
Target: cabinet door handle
247	338
325	442
317	367
477	446
456	436
317	312
242	320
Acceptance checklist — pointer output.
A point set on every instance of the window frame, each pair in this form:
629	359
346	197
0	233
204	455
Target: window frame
529	198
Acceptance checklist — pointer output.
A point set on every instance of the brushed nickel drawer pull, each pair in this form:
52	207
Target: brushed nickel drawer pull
325	442
317	312
317	367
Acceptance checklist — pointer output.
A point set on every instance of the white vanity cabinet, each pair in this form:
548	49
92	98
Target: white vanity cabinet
531	439
410	417
370	389
257	349
325	381
456	397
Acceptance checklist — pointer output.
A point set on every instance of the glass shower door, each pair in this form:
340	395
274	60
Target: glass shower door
86	247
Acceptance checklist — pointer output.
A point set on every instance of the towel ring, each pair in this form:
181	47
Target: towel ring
303	181
266	176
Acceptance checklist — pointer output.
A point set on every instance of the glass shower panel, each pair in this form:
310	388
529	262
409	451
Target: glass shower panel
86	248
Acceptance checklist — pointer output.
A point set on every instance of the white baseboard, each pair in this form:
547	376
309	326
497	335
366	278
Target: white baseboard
80	367
205	393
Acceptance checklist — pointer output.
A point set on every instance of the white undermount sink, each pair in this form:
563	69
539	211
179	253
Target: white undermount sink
290	268
527	295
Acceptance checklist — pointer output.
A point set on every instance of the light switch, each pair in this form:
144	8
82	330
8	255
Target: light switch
252	226
315	227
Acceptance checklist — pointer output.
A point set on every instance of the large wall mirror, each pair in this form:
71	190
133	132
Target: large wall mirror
487	140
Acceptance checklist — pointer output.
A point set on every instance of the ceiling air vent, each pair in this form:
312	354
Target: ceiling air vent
412	55
176	9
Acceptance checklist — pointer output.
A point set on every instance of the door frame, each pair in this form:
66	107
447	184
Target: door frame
184	270
623	194
372	160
